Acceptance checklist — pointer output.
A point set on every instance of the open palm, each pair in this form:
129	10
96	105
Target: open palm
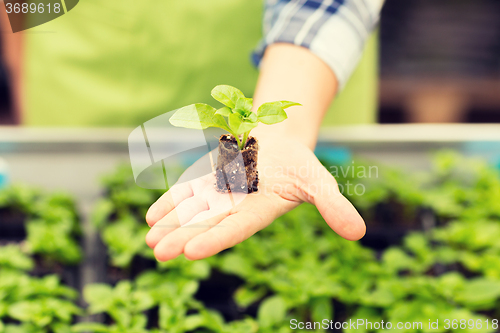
194	219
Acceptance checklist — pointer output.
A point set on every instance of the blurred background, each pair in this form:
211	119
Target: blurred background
430	61
440	61
72	90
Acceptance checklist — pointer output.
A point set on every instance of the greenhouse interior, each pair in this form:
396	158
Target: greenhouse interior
365	199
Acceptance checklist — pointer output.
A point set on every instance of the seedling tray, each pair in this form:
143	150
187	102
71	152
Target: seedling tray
73	160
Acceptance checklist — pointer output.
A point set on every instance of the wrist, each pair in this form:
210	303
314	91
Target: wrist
284	135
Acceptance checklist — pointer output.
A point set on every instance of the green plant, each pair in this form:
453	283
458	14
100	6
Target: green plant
168	293
19	197
32	304
299	268
53	233
124	305
51	223
238	111
40	305
125	239
298	249
119	217
12	257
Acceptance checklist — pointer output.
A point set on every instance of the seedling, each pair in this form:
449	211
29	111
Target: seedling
237	118
238	111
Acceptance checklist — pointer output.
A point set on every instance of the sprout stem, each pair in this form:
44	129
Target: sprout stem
244	141
237	137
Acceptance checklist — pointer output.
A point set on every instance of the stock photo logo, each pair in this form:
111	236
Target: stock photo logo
225	172
25	15
182	161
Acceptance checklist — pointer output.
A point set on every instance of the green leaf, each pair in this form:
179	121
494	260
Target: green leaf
11	256
198	116
125	239
166	316
479	294
252	117
139	322
241	112
321	308
225	111
237	264
20	329
245	296
104	208
235	121
380	297
395	260
239	125
90	327
189	289
25	311
197	269
123	290
271	113
121	316
52	240
271	312
227	95
419	310
246	115
366	314
448	284
244	104
143	301
193	322
64	310
213	320
287	104
418	244
99	296
247	325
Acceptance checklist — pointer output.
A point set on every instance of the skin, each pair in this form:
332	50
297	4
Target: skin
289	171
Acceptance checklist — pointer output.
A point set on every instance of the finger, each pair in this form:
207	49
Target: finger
167	224
338	212
172	245
218	203
184	212
232	230
190	207
341	216
205	215
168	201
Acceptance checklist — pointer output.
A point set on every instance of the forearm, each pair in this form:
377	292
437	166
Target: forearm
290	72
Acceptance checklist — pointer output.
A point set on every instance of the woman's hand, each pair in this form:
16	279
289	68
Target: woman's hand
195	220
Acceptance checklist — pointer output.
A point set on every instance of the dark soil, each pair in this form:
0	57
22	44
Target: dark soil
231	174
217	293
69	274
138	266
12	226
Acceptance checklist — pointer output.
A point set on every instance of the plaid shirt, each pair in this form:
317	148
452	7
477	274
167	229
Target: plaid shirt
334	30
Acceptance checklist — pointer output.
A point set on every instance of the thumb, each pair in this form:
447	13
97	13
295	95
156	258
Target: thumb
322	190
